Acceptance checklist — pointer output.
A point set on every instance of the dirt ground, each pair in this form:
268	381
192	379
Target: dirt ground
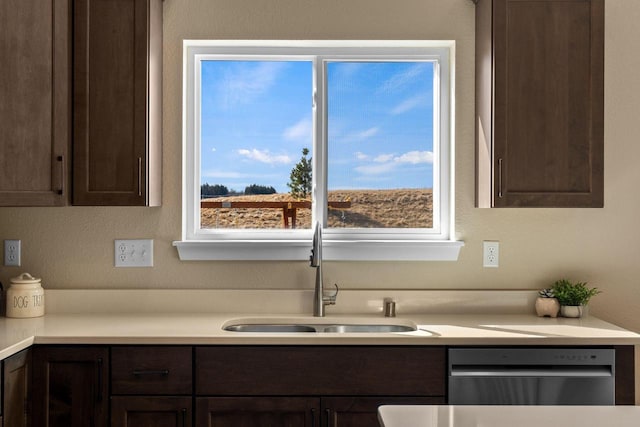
411	208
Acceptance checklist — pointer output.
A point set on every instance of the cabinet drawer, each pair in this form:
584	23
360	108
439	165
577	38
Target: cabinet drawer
320	370
151	370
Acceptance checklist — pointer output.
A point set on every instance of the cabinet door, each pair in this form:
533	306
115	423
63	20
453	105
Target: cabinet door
35	106
116	102
71	386
257	411
346	371
540	103
16	389
363	411
155	411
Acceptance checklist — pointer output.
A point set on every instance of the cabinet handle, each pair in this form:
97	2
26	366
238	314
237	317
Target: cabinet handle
184	417
99	397
313	417
142	372
327	413
500	177
61	161
139	176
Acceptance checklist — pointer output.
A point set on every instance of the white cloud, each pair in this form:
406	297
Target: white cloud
408	104
361	135
300	131
264	156
377	169
386	163
383	158
415	157
400	80
248	81
361	156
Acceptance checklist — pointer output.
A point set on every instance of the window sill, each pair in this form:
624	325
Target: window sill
332	250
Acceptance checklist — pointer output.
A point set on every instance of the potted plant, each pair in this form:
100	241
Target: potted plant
573	297
547	304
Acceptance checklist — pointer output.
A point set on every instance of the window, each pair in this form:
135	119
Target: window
279	135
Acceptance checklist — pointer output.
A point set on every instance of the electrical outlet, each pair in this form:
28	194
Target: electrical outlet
134	253
491	253
12	253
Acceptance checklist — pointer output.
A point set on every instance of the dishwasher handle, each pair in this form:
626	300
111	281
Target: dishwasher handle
531	371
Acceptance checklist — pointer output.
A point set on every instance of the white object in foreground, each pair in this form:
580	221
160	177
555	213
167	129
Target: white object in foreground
508	416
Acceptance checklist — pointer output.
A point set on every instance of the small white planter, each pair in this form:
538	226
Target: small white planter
547	307
572	311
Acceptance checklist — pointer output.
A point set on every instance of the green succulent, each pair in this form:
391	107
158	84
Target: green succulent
569	293
546	293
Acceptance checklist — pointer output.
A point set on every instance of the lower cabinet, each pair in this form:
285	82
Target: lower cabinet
297	411
363	411
229	386
151	386
70	386
151	411
16	396
257	411
332	386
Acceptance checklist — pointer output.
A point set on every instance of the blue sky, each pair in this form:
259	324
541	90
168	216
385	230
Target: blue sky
257	118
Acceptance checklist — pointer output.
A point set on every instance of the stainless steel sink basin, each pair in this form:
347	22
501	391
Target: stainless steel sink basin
318	328
345	329
269	328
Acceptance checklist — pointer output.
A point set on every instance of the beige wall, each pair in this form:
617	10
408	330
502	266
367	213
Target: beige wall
72	247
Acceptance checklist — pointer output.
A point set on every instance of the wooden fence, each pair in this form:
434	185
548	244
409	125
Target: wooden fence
289	209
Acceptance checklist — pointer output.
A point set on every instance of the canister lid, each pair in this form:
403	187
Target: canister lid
25	278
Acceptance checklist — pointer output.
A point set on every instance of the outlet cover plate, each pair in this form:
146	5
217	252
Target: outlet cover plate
12	253
133	253
491	253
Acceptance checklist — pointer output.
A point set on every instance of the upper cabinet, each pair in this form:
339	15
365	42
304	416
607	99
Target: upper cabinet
540	103
35	102
117	102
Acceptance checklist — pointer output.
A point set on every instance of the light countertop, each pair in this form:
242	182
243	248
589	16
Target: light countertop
207	329
508	416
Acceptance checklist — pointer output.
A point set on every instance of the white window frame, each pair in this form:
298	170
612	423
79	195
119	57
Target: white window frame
338	244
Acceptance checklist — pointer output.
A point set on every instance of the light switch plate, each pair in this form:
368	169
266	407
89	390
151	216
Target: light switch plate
134	253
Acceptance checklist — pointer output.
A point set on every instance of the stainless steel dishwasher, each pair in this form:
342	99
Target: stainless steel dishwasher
531	376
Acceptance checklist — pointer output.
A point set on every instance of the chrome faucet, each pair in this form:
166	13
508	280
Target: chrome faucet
315	260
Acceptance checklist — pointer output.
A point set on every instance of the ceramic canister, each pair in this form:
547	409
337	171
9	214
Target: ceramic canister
25	297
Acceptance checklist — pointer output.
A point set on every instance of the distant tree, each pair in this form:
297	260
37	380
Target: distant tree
300	177
213	190
259	189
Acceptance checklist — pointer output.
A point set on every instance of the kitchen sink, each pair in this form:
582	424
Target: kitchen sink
332	327
269	328
345	329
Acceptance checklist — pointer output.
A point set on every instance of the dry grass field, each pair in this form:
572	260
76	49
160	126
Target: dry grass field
369	209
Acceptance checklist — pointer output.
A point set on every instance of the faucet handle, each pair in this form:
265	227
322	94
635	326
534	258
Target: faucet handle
389	307
331	299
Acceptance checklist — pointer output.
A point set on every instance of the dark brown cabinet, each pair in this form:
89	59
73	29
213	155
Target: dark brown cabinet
363	411
151	411
71	386
35	106
151	386
257	411
117	54
235	386
312	385
16	398
540	103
